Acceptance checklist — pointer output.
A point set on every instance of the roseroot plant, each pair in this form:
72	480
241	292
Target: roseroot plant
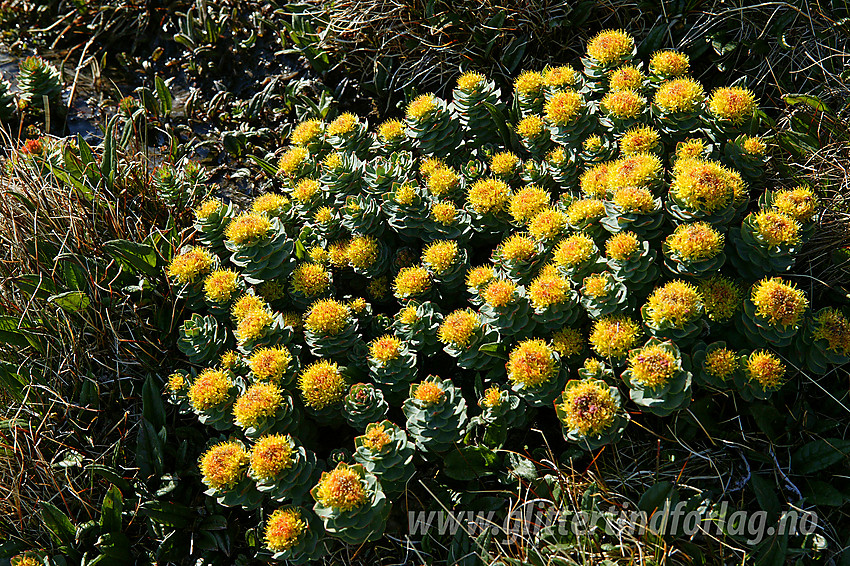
38	80
385	450
658	377
504	239
591	413
351	504
436	414
224	470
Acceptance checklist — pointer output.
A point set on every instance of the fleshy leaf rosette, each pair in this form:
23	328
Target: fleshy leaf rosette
774	312
265	408
634	209
418	324
260	246
694	249
362	216
385	450
293	535
591	413
351	504
470	98
221	287
518	257
436	414
704	190
202	338
606	51
224	470
577	256
716	365
800	203
432	127
188	271
259	328
406	211
632	261
658	377
501	408
381	173
447	263
347	134
763	374
555	303
330	330
282	469
602	294
535	371
364	404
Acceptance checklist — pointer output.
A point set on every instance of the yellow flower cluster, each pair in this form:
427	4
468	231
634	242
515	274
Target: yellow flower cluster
385	348
341	488
680	96
188	266
675	303
765	369
259	402
574	250
568	342
329	317
441	255
721	297
322	385
780	302
697	241
363	252
376	438
269	364
721	363
610	46
284	529
310	279
627	77
653	365
488	196
499	293
429	393
306	132
669	63
532	363
527	203
831	325
248	228
614	335
412	281
210	389
548	289
271	455
623	104
622	246
223	465
422	107
640	139
459	327
588	408
564	107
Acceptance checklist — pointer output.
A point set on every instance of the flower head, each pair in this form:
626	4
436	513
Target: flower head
518	248
754	146
831	325
442	181
733	104
530	127
488	196
653	365
385	349
680	95
270	203
306	132
310	279
623	104
504	163
721	363
248	228
188	266
574	250
640	139
291	161
338	253
363	252
564	107
638	170
210	389
781	303
224	464
721	297
176	382
622	246
247	304
548	289
588	407
500	293
329	317
376	438
408	315
422	107
470	81
585	211
429	393
428	166
594	181
305	190
341	488
765	369
271	455
208	208
560	77
441	255
696	241
492	397
776	228
548	224
444	212
669	63
332	161
259	402
219	286
253	325
284	529
801	204
532	363
269	364
529	83
627	77
568	342
597	286
614	335
479	277
343	124
391	130
322	385
706	186
675	303
412	281
610	46
691	149
459	327
527	203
